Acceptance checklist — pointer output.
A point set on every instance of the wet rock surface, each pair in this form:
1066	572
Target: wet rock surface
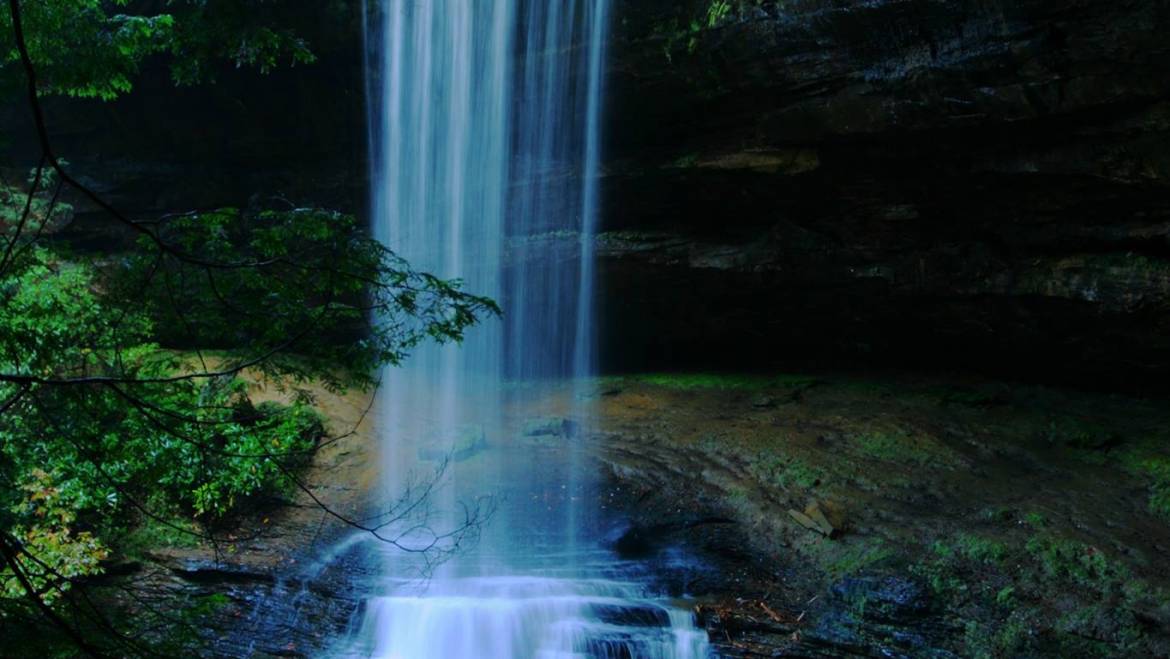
881	616
968	517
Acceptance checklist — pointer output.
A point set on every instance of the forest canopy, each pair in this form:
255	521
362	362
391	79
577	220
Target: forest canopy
96	48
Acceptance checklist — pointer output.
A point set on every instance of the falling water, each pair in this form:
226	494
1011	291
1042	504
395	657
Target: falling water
485	148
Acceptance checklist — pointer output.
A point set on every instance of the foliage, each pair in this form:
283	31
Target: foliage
56	554
315	294
95	48
239	31
130	416
114	422
198	441
688	23
105	425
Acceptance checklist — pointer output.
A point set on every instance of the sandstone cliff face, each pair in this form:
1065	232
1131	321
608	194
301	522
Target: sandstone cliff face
941	183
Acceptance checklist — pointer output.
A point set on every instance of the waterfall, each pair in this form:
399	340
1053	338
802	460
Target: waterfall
485	149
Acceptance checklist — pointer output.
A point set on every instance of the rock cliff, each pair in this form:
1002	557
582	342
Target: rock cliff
940	184
928	183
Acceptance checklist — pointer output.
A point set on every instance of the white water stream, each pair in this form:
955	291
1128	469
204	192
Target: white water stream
485	139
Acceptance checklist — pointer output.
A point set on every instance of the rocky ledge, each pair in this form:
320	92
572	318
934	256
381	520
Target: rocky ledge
911	517
884	181
798	515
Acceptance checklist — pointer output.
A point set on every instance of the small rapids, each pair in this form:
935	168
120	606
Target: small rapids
527	617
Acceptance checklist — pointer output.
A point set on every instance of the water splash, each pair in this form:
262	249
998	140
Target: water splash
530	617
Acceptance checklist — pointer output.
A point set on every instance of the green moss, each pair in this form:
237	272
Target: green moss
1157	470
981	549
785	473
1006	596
940	573
1084	565
945	572
886	446
1036	520
845	560
898	446
1009	638
1031	584
1146	460
1003	590
1075	632
687	381
1160	501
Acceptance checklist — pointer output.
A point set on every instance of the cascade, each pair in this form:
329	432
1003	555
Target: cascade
484	145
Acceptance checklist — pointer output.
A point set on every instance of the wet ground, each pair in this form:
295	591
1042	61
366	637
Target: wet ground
908	516
799	515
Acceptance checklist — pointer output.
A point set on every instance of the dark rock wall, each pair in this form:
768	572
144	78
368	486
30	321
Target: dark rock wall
295	135
942	184
948	184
